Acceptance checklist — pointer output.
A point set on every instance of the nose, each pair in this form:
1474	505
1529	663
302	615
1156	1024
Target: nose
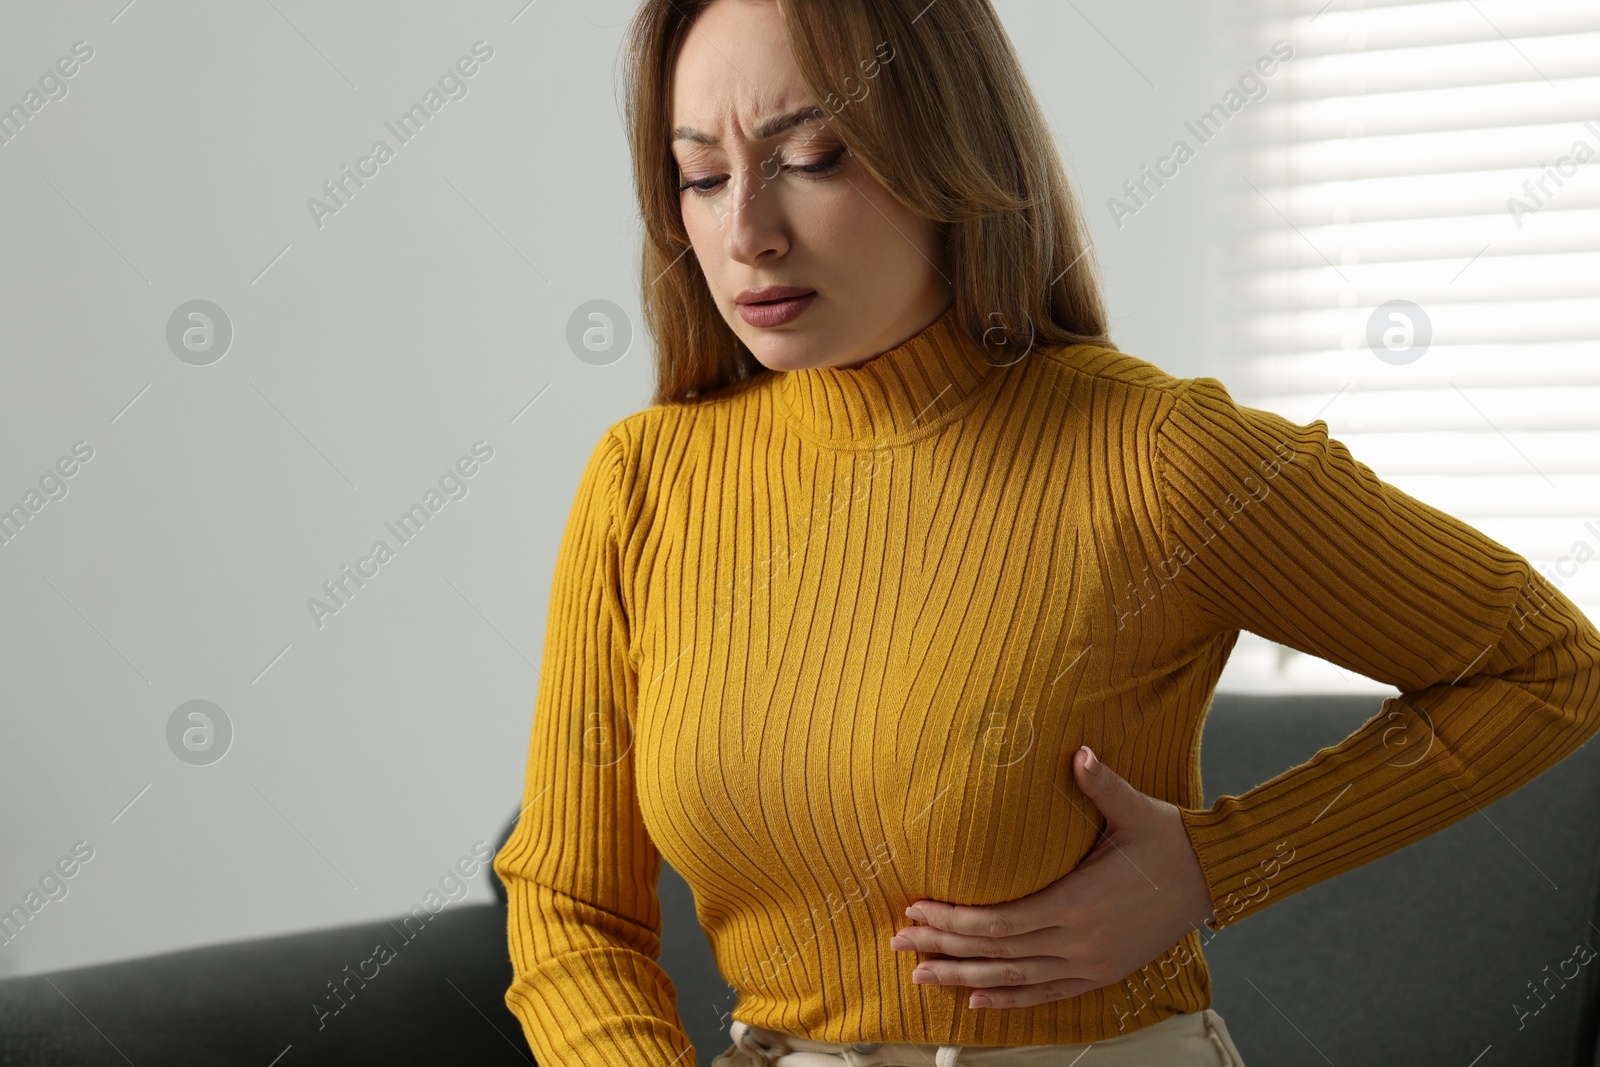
754	226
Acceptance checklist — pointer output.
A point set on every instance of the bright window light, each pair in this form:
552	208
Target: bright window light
1446	154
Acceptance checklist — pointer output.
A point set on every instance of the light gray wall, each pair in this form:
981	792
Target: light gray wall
1117	82
369	354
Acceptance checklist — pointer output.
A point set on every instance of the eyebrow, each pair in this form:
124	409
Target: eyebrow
765	130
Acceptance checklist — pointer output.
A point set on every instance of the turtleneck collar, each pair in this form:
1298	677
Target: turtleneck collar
911	389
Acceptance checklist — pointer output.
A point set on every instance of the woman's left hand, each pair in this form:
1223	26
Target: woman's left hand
1138	891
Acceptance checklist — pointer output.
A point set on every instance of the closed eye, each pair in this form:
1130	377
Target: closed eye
819	169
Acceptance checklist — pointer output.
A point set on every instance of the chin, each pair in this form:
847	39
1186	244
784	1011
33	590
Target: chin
784	350
779	360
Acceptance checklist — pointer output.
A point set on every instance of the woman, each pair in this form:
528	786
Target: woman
893	621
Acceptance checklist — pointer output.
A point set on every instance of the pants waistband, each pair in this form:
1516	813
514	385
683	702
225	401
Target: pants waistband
1176	1039
774	1048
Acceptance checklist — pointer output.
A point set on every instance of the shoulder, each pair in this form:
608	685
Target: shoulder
1162	420
659	428
1112	372
641	455
1126	396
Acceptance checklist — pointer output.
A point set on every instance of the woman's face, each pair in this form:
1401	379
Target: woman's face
789	206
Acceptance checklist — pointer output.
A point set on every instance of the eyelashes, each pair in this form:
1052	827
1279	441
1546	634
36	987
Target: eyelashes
820	169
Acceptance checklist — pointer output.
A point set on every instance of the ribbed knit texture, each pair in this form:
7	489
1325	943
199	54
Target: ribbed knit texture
828	640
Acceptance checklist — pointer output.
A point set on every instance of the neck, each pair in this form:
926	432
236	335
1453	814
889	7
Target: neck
911	389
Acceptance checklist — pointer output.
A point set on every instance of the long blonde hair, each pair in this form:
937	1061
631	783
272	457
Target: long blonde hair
947	123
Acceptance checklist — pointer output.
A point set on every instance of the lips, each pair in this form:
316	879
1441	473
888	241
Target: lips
771	294
782	305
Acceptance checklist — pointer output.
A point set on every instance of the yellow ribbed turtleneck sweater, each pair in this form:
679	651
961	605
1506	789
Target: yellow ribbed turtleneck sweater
828	639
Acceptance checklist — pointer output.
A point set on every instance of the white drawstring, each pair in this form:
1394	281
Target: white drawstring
739	1031
742	1038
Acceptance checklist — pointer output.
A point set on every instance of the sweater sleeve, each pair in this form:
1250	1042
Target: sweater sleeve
580	870
1274	528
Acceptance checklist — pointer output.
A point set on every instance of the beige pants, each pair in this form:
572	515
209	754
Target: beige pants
1188	1039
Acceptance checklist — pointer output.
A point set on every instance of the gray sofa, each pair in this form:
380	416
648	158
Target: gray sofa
1448	952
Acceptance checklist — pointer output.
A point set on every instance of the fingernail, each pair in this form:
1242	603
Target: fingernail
916	913
1091	764
978	1000
900	942
921	975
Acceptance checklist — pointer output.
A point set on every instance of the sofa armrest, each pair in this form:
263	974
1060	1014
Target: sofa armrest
412	990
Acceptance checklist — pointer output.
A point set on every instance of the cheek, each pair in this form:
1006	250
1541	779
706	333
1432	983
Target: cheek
697	223
702	223
863	232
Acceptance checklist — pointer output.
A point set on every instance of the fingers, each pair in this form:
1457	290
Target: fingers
1007	983
1004	975
1022	996
1021	916
1118	801
932	939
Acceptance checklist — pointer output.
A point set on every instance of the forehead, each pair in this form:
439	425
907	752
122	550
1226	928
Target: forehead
734	70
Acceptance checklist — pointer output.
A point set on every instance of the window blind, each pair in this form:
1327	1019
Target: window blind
1409	246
